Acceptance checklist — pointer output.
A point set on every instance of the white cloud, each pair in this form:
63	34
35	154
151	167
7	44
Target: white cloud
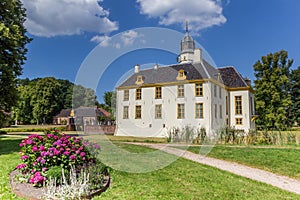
48	18
126	38
129	37
201	14
104	40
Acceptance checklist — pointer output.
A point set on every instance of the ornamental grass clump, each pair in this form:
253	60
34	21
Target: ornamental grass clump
41	153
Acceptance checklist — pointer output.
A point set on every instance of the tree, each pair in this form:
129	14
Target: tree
109	103
12	52
272	90
295	91
46	100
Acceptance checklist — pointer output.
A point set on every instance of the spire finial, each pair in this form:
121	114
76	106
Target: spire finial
186	26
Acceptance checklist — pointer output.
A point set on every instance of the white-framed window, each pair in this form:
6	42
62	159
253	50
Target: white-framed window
180	111
138	112
180	91
238	105
158	111
126	95
198	89
125	112
199	110
158	92
138	94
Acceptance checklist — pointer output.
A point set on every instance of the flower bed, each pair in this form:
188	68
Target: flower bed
48	160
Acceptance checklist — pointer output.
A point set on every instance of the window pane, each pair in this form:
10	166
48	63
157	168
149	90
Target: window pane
158	111
138	94
157	92
180	111
199	89
199	110
138	112
126	95
180	91
238	105
125	112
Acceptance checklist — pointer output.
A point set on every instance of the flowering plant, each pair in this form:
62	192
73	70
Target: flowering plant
39	153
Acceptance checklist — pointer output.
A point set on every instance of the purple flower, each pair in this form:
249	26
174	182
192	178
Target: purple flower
39	159
82	154
21	166
56	152
96	146
29	142
66	153
44	169
21	144
34	148
24	157
72	157
43	161
35	163
42	148
37	178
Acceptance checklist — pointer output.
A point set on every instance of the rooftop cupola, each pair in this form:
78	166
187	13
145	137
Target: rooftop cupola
187	42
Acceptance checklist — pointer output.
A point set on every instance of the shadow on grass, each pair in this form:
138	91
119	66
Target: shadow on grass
9	145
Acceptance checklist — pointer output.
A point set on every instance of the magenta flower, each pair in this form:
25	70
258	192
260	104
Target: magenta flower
34	148
96	146
37	178
66	153
44	169
72	157
82	154
24	157
29	142
21	144
21	166
42	148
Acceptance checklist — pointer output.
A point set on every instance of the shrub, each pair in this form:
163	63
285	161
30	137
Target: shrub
2	132
40	153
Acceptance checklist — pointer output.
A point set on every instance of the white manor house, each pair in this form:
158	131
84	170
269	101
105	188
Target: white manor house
153	101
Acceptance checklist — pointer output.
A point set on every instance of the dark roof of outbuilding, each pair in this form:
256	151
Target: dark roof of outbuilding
64	113
165	74
231	78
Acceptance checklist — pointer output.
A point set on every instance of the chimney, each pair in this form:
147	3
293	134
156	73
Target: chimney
137	68
248	81
155	66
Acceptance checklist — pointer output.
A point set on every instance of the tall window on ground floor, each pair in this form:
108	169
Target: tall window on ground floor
157	92
158	111
199	110
125	112
238	105
216	111
221	112
180	91
180	111
239	121
126	95
138	112
198	89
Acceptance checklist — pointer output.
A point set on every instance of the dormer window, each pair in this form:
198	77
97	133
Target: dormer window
139	80
181	75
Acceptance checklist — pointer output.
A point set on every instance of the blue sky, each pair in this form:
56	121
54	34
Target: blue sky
233	32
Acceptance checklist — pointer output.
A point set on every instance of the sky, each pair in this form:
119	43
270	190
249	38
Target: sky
101	41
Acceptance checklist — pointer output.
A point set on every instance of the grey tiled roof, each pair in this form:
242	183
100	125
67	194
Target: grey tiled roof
165	74
232	78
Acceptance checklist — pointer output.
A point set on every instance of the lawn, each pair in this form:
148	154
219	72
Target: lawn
282	160
182	179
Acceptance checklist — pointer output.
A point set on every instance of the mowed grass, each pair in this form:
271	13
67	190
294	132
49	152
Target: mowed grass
277	159
181	179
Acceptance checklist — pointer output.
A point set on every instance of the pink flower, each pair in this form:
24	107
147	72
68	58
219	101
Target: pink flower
37	178
82	154
34	148
21	144
44	169
42	148
96	146
21	166
66	153
72	157
24	157
29	142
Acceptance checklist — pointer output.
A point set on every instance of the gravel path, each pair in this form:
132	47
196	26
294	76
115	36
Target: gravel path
282	182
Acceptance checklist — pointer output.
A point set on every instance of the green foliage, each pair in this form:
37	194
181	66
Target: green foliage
272	91
109	103
12	52
55	172
295	79
2	132
43	98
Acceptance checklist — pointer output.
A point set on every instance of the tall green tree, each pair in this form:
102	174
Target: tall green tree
46	100
295	91
13	40
272	90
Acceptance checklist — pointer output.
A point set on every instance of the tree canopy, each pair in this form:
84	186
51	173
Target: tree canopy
273	90
13	40
43	98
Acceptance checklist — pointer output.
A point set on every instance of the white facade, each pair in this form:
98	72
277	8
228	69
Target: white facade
225	99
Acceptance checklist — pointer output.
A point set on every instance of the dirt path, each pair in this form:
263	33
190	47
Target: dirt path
282	182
